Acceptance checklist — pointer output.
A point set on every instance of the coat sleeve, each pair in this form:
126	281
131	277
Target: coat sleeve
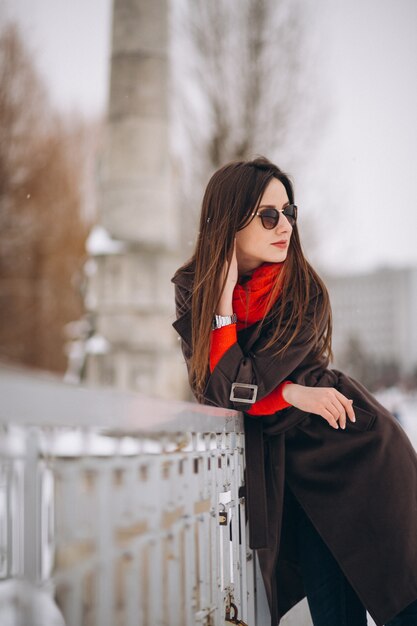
262	370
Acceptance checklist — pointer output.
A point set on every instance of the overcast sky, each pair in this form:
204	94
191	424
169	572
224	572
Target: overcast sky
364	167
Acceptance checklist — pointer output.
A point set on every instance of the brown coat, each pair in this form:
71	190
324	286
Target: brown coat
358	486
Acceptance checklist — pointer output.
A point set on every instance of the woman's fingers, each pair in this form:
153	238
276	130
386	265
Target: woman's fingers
230	269
340	408
347	403
329	417
233	263
338	411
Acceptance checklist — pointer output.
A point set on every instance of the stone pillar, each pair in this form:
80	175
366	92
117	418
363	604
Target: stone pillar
136	202
135	246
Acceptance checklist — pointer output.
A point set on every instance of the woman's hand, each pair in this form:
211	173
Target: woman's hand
325	401
230	273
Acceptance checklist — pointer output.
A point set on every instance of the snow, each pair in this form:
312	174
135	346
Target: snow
404	406
23	603
97	344
100	242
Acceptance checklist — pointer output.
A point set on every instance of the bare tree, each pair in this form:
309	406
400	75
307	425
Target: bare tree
242	81
42	226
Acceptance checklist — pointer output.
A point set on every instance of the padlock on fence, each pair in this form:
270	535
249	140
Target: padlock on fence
222	515
232	615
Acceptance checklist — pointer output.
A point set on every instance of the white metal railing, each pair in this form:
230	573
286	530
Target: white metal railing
125	509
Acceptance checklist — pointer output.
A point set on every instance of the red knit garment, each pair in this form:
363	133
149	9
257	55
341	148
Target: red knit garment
250	297
249	304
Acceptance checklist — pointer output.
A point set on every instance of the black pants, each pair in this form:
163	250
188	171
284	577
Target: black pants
331	599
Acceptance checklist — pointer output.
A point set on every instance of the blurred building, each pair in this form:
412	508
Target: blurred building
379	309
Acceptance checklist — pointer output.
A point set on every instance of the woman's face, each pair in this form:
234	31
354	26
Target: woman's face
254	243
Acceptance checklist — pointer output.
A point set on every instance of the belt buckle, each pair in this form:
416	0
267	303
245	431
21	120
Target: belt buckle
245	386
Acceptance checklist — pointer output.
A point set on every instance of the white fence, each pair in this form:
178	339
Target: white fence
126	510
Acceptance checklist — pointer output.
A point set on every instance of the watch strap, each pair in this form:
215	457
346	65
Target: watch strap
223	320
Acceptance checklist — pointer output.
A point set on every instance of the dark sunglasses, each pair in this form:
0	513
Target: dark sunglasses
270	215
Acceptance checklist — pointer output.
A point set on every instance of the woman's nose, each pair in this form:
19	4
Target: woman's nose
283	224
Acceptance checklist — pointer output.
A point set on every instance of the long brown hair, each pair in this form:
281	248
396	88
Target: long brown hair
232	195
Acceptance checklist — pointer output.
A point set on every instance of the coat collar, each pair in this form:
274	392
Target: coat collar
183	279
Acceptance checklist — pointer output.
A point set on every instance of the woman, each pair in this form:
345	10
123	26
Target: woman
331	477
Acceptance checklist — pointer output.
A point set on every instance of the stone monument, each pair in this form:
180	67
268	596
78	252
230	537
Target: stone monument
135	245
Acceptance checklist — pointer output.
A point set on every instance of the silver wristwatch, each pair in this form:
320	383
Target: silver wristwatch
223	320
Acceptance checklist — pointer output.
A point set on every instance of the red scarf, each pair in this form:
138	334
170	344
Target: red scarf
250	298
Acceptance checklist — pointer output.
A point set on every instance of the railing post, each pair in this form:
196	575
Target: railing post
32	510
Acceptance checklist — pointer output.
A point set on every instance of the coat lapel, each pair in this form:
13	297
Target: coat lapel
183	327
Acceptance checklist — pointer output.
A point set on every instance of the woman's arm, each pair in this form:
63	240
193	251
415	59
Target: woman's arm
309	399
221	340
263	369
